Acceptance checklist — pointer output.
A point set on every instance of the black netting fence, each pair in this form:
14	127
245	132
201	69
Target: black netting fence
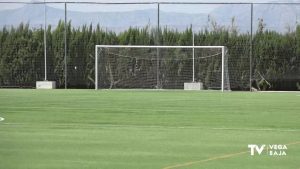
263	40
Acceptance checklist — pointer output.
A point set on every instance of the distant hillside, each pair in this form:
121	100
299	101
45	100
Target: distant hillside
276	17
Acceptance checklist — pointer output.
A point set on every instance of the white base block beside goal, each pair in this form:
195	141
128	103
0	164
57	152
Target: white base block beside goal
45	85
193	86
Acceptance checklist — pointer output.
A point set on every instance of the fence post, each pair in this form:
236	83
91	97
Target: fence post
65	38
251	48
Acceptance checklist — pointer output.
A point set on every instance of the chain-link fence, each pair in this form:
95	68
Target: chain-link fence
56	40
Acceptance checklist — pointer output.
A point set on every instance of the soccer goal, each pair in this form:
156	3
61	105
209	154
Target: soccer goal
161	67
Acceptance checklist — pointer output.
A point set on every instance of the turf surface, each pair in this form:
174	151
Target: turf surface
136	129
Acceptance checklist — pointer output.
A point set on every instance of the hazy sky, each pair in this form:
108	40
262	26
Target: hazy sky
115	8
201	1
151	0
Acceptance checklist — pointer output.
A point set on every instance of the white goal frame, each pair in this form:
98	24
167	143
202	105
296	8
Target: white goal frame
159	47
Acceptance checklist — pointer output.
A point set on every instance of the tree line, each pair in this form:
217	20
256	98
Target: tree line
275	56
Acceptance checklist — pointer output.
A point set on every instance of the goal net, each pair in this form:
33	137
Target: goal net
160	67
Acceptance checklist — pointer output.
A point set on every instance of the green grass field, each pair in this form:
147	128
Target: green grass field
136	129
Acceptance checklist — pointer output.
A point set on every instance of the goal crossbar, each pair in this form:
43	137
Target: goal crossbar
158	47
144	46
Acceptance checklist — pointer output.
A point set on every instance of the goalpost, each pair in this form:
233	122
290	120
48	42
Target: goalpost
161	67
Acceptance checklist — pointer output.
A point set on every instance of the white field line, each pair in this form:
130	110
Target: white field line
256	129
187	164
151	126
1	119
279	91
97	109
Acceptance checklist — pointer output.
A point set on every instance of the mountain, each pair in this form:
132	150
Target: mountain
32	14
276	17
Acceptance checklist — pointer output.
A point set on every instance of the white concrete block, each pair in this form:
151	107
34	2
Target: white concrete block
45	85
193	86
